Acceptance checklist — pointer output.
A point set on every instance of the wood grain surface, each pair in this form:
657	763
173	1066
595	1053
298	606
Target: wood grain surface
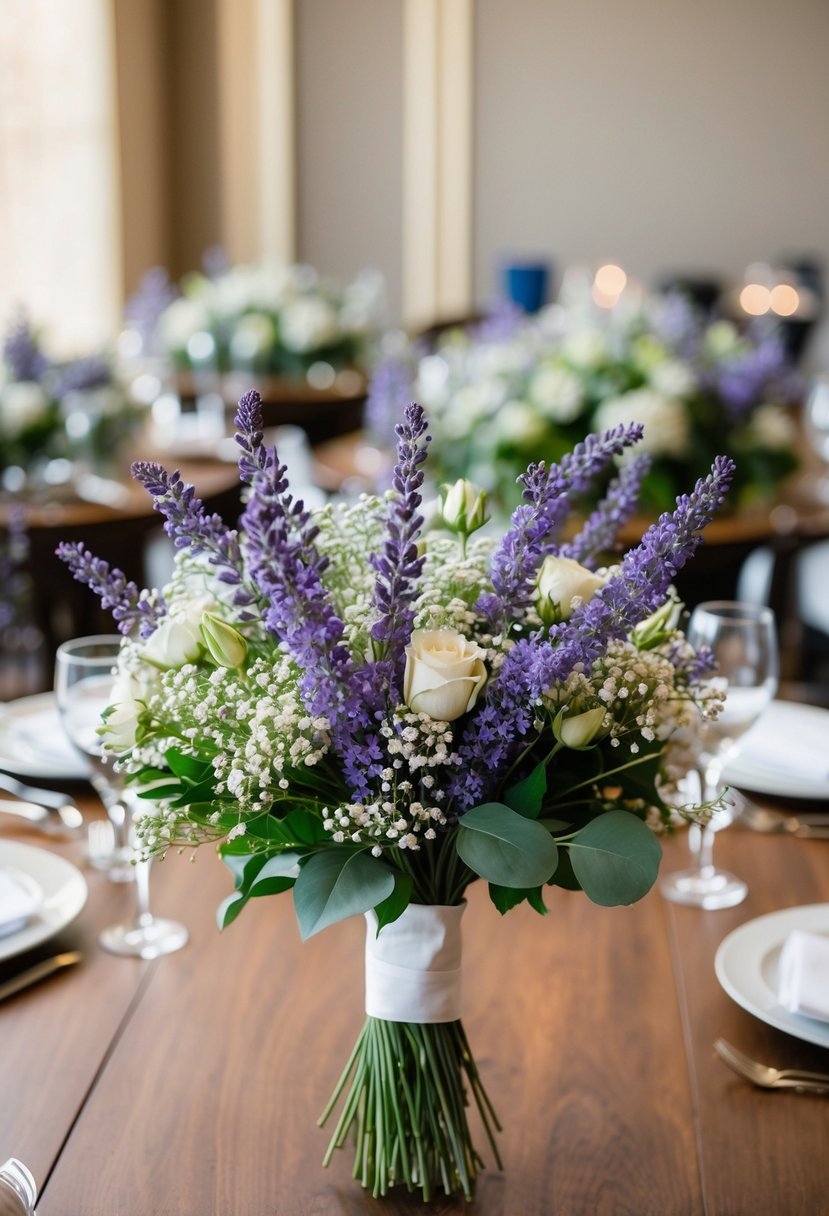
192	1085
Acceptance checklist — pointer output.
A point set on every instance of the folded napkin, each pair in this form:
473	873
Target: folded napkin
787	744
20	898
803	977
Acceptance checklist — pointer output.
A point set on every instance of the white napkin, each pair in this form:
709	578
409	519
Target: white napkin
787	744
803	977
20	898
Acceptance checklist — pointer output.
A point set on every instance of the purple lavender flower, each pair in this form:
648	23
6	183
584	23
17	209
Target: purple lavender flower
749	376
535	523
92	371
391	385
501	322
215	262
130	607
21	352
14	580
398	566
250	436
599	532
190	527
144	308
492	737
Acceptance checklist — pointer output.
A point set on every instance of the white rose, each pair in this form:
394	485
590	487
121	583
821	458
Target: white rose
180	321
672	377
557	392
119	733
444	673
772	427
307	324
585	348
21	405
174	643
667	430
519	425
558	583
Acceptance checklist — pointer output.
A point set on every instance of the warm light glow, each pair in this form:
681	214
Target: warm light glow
603	299
755	299
784	300
610	280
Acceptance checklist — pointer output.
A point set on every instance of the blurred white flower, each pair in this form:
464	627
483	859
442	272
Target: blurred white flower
585	348
557	392
519	425
672	378
771	426
666	422
180	321
308	323
22	404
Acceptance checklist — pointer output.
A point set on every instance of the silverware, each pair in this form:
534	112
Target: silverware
764	819
33	793
60	821
771	1078
33	975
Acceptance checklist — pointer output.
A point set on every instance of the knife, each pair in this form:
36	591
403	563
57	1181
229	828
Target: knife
33	793
63	820
33	975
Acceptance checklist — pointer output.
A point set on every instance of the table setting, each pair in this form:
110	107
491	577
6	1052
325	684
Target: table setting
546	1010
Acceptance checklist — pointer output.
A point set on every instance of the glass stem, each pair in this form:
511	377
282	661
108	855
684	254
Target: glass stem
120	820
143	915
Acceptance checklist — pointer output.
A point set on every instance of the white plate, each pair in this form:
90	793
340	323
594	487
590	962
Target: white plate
746	966
785	753
32	742
64	894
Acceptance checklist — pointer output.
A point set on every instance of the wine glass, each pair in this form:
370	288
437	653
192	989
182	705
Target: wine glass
84	679
816	418
743	640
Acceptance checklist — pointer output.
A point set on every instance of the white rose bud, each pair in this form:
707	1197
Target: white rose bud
226	646
173	644
659	626
120	728
464	507
444	673
558	582
579	731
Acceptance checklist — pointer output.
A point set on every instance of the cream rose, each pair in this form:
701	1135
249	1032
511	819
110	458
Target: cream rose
121	723
173	644
559	581
444	673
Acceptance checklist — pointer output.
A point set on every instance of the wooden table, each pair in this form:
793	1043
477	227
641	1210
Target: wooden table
191	1085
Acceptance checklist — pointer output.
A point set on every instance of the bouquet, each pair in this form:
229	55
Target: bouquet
373	717
265	319
58	410
517	387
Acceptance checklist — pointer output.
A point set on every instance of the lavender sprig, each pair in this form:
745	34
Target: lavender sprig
398	565
131	608
391	384
21	352
14	580
143	309
250	436
536	522
492	738
190	527
601	528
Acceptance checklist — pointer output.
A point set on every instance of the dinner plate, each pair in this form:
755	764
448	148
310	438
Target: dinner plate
786	753
64	894
32	742
746	964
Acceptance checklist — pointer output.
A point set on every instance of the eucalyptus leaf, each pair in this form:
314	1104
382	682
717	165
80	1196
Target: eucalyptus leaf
279	873
615	858
338	883
526	796
505	848
506	898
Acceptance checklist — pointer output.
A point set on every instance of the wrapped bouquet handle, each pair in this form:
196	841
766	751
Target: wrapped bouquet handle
413	966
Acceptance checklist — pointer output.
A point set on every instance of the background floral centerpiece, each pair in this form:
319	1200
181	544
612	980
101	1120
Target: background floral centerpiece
58	409
373	717
265	318
529	388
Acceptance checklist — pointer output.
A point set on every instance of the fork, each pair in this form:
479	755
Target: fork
771	1078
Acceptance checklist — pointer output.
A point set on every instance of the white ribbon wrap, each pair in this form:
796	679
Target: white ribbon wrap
413	968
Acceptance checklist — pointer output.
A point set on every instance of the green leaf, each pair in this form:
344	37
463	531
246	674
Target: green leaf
338	883
229	909
305	828
504	847
535	898
275	876
564	876
192	768
389	909
615	858
244	868
526	797
506	898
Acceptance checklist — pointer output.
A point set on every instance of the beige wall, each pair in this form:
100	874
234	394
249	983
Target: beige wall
659	133
349	71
